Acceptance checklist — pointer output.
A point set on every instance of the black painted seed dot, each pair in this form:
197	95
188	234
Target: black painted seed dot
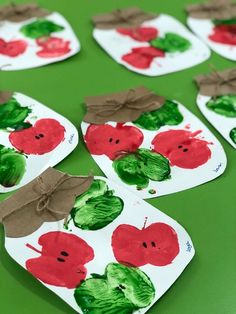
110	140
153	244
60	259
180	146
64	253
37	137
185	150
145	244
41	135
117	141
122	287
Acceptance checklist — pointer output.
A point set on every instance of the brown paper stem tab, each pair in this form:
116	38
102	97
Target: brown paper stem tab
214	9
21	12
130	17
121	107
50	197
217	83
4	97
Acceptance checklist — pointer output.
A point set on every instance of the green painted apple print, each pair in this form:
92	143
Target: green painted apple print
12	167
12	115
40	28
171	43
97	207
121	289
168	114
232	135
223	105
137	168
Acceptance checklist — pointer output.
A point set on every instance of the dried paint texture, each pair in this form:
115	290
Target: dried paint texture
232	135
223	105
112	141
171	42
224	34
62	259
156	245
140	33
182	148
137	168
121	289
12	48
97	207
52	47
39	139
13	116
12	167
40	28
168	114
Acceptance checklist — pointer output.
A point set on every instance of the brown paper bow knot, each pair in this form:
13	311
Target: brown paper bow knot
4	97
121	107
130	17
214	9
21	12
48	198
217	83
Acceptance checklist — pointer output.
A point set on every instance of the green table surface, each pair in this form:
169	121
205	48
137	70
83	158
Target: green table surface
208	212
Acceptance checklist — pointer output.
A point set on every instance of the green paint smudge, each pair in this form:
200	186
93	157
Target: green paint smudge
232	135
168	114
137	168
121	290
12	115
97	207
225	22
223	105
40	28
171	43
12	166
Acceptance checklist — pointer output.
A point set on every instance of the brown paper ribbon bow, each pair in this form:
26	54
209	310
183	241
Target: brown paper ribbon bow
4	97
21	12
217	83
50	197
130	17
214	9
121	107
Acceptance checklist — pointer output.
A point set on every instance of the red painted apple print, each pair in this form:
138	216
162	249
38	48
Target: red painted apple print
182	148
224	34
142	57
62	259
140	33
110	141
156	245
39	139
12	48
52	47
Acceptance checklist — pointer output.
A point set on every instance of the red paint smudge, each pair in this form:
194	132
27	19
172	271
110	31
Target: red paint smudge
156	245
142	57
53	47
62	259
39	139
224	34
182	148
12	48
112	141
140	34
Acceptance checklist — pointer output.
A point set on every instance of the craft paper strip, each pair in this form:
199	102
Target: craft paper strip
215	24
164	151
33	137
158	46
33	37
105	256
217	101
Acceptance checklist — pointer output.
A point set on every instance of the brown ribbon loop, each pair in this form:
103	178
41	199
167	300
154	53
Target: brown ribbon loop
21	12
121	107
48	198
214	9
130	17
4	97
217	83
